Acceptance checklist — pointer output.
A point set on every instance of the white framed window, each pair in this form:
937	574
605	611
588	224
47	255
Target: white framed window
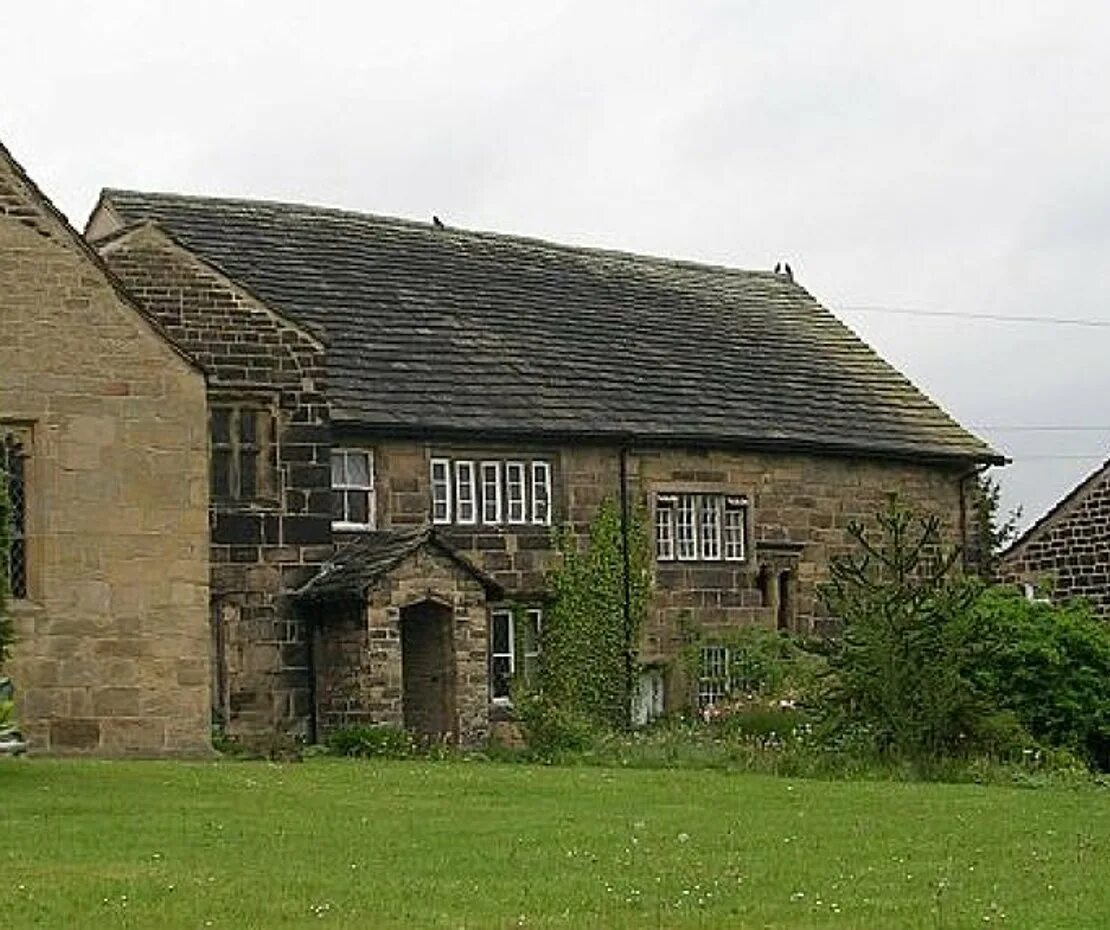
516	511
441	491
502	661
541	493
736	528
707	527
514	647
686	538
664	526
713	677
528	642
491	492
352	485
466	509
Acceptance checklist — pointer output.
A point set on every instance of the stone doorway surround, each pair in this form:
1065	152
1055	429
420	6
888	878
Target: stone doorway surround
401	636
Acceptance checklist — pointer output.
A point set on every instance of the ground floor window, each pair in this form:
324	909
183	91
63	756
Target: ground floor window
514	648
13	466
713	678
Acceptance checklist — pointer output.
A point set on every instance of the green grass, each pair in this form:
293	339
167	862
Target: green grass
336	843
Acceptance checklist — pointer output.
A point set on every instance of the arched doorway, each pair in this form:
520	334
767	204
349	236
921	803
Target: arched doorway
428	669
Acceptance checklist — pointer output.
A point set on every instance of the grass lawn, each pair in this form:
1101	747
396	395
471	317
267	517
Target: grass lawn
336	843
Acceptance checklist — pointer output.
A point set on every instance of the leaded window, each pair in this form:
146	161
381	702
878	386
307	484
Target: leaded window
13	465
244	456
491	492
713	678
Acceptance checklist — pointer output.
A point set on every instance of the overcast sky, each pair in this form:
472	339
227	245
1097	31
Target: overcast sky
945	156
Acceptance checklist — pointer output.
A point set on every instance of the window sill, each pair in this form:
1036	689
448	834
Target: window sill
352	527
25	607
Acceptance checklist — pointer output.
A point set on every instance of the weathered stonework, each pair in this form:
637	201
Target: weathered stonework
111	652
262	548
364	654
1067	552
800	508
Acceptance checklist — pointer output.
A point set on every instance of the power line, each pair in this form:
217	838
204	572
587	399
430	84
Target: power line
995	317
1043	429
1094	456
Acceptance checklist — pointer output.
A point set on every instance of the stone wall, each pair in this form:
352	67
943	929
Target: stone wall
268	545
800	507
112	652
1069	552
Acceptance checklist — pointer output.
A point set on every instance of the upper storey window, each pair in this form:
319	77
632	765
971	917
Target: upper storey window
243	452
491	492
352	483
701	527
13	471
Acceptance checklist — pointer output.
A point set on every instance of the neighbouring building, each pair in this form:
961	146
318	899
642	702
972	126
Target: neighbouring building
103	441
1065	555
401	414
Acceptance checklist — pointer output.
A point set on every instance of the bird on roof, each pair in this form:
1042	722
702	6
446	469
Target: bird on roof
788	271
778	267
437	222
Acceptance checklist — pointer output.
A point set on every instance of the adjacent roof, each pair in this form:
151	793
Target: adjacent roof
434	330
357	566
1059	509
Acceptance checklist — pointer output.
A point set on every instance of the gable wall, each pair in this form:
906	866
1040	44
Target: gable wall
1071	552
260	550
111	654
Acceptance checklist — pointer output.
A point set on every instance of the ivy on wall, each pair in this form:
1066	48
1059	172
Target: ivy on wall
583	666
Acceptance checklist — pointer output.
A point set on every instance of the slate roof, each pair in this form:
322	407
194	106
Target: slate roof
355	567
433	331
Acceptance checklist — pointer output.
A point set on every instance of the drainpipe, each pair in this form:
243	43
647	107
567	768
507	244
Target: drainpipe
961	483
310	642
626	579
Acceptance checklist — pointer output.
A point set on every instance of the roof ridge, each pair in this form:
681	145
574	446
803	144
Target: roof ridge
1057	509
482	234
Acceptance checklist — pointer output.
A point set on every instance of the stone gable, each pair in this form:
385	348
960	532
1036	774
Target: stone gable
111	654
1068	550
262	365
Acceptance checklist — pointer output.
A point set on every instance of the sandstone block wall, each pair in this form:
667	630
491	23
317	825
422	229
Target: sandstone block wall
800	507
112	652
1070	550
261	549
359	648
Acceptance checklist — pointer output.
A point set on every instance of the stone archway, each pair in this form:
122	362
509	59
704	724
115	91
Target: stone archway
428	669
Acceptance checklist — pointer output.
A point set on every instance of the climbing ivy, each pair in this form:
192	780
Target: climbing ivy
583	679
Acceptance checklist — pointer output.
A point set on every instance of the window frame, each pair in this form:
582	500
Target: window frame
483	469
522	518
471	486
446	483
541	466
517	654
347	487
714	679
703	525
261	447
14	443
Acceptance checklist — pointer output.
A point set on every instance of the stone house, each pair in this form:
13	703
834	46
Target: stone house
103	440
401	413
1067	551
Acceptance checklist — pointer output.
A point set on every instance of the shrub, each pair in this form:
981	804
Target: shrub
1048	666
367	741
